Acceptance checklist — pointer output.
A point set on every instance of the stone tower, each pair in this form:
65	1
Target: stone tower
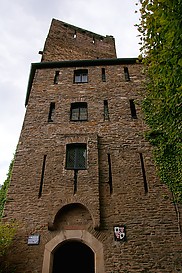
84	188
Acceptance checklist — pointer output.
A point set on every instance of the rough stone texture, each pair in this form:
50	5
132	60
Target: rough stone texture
67	42
153	239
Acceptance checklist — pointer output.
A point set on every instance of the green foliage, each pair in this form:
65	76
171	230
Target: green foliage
7	232
161	46
4	189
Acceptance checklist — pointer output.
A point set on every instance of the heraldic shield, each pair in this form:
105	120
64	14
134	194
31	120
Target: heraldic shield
120	233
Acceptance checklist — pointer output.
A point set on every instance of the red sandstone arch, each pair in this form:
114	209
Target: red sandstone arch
53	224
79	235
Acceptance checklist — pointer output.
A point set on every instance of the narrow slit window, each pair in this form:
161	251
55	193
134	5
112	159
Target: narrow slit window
126	74
143	173
75	180
133	109
106	110
51	112
74	35
56	77
110	173
103	74
42	176
76	156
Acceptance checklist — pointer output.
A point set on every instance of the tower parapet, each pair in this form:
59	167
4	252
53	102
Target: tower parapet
67	42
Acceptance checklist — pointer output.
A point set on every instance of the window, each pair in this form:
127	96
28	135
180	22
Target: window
42	176
143	173
133	109
126	74
81	76
110	173
51	112
76	156
106	110
74	35
103	75
78	111
56	77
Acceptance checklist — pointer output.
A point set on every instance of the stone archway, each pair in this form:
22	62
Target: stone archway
82	236
73	256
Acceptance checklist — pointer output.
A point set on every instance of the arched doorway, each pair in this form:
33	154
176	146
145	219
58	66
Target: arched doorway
73	256
80	236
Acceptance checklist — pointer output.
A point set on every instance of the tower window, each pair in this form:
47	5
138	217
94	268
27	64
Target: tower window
75	35
76	156
106	110
79	111
110	173
143	173
133	109
42	176
56	77
103	74
81	76
126	74
51	112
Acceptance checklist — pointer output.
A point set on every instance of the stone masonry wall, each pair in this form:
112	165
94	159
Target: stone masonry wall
67	42
112	190
153	240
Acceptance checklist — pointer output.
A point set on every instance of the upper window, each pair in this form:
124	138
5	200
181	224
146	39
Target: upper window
76	156
81	76
106	110
133	109
126	74
103	74
56	77
78	111
51	112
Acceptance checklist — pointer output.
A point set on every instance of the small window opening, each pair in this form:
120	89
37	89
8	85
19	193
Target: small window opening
75	35
103	74
133	109
126	73
81	76
93	41
143	173
75	180
110	173
42	176
106	110
51	112
76	156
79	111
56	77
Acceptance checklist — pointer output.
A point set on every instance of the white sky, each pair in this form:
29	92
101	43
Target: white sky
24	25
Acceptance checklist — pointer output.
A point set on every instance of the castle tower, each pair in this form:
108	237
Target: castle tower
84	188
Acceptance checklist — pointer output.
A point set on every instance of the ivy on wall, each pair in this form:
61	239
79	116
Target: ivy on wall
4	189
161	46
7	229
